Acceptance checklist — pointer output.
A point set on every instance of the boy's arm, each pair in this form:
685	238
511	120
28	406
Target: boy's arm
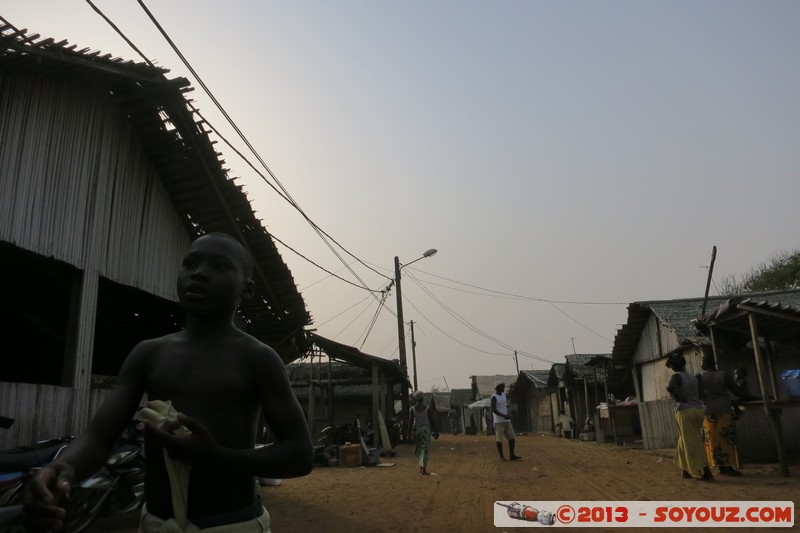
292	453
86	454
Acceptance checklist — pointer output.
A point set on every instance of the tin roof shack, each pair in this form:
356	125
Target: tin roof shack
106	176
761	333
538	403
363	393
656	329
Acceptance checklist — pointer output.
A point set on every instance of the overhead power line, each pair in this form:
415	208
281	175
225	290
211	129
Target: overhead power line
509	294
467	324
283	193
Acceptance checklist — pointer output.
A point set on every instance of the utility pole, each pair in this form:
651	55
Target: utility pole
516	361
401	335
708	281
414	355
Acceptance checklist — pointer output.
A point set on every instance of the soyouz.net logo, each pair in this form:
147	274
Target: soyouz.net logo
644	514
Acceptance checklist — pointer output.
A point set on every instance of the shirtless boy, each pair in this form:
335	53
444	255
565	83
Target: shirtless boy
221	378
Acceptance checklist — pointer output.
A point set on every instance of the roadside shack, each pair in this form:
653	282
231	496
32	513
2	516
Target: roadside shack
767	332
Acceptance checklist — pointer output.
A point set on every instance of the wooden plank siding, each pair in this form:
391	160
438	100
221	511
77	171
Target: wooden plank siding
755	438
77	186
659	429
537	417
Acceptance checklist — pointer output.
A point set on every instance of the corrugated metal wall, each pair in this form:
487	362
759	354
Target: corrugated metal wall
76	185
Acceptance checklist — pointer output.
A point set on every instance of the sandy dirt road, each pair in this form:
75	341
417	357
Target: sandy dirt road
468	478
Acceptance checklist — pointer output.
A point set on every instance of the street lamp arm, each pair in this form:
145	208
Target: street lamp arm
427	254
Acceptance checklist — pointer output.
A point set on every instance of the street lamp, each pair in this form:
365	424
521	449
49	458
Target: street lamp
401	333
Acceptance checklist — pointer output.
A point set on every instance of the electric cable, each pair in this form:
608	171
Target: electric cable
512	295
465	322
381	305
287	196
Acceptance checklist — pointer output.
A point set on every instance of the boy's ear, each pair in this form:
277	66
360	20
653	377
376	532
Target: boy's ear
249	289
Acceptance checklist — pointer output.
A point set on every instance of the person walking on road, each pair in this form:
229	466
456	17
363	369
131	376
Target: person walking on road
502	422
719	427
424	427
690	453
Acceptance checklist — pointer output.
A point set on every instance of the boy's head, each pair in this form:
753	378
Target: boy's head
216	274
246	259
499	386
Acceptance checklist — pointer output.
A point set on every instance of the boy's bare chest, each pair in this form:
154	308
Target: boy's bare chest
196	373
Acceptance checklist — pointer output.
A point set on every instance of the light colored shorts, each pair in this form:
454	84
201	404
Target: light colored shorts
503	429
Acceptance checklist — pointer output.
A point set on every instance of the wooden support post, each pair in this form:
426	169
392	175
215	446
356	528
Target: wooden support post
311	397
78	362
772	414
376	433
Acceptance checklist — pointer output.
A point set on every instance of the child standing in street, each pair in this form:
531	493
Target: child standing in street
219	379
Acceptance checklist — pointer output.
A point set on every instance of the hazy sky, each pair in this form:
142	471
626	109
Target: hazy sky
553	152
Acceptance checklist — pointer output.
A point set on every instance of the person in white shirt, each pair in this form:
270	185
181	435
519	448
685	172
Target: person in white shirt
502	422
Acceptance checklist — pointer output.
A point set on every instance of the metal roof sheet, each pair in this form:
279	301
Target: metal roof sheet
684	316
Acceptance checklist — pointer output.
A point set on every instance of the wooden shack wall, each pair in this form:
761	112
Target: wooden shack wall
76	185
555	408
539	418
657	419
544	418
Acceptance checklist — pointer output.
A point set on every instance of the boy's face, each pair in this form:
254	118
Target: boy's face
212	278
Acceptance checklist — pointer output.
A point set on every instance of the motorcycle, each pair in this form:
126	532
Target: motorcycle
17	465
117	488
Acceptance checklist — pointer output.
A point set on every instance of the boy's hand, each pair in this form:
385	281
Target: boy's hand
42	494
198	446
